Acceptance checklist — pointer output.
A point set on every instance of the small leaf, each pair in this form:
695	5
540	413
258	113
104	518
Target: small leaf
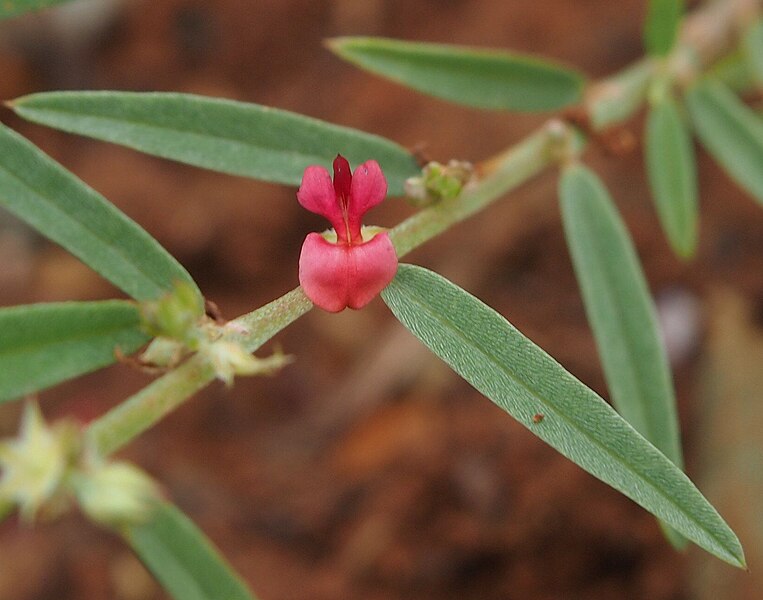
222	135
43	344
753	48
621	96
487	351
672	174
734	71
620	310
730	131
661	27
182	559
11	8
489	79
53	201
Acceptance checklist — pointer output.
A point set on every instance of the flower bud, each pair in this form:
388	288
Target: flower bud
229	359
175	315
438	182
35	463
115	493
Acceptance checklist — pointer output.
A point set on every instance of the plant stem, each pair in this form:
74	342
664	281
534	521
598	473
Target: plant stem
505	172
263	323
139	412
706	36
616	99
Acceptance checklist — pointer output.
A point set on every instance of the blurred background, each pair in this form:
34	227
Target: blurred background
366	469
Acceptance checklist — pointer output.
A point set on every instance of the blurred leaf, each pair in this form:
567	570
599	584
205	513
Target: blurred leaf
617	98
672	171
661	27
11	8
222	135
182	558
730	131
482	78
728	449
753	47
734	71
487	351
620	311
6	508
40	192
43	344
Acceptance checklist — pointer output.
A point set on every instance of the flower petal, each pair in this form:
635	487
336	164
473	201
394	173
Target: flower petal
369	188
335	276
316	194
323	272
373	266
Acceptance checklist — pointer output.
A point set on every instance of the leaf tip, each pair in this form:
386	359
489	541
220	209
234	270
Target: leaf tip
335	44
741	560
686	252
17	103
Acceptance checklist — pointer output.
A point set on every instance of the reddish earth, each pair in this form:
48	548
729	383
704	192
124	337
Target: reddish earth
366	469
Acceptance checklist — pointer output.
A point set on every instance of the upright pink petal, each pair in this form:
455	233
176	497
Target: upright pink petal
316	194
369	188
342	179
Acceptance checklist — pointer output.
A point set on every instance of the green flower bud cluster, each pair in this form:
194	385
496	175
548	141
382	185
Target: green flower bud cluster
45	470
438	182
181	327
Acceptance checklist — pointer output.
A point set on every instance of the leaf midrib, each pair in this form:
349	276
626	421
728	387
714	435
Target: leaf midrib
609	296
33	347
244	143
51	204
571	422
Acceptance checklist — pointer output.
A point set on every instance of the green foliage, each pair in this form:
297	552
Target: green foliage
621	96
734	71
487	351
43	344
753	48
222	135
730	131
183	559
11	8
661	27
672	171
488	79
53	201
620	311
175	315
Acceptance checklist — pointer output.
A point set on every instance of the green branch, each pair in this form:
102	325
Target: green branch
705	37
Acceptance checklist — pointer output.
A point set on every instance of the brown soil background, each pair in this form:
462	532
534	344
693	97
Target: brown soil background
366	469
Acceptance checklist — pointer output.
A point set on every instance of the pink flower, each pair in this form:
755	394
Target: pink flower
351	265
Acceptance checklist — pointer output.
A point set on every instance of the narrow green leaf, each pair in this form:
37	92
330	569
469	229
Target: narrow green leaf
734	71
222	135
620	311
753	49
730	131
11	8
487	351
6	508
41	192
621	96
672	171
489	79
661	27
43	344
183	559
